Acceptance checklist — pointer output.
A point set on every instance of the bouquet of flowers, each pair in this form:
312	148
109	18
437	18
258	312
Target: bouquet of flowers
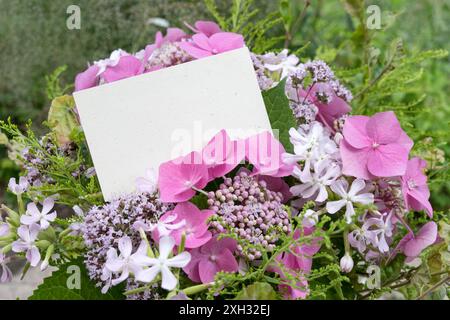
335	207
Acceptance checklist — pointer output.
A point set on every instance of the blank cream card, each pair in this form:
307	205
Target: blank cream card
138	123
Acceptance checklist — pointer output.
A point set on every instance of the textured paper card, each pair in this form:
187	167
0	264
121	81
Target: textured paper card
138	123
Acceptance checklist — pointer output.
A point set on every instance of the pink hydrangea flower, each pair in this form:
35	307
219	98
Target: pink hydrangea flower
414	187
87	79
203	46
214	256
374	146
195	225
265	153
127	66
220	155
412	245
178	177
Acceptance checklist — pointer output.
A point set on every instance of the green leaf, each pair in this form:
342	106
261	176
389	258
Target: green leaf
280	114
61	285
257	291
61	118
3	138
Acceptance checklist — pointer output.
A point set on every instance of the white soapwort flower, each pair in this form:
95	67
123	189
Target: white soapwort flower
18	188
126	263
325	173
26	243
163	263
280	62
377	230
311	145
340	187
164	227
44	217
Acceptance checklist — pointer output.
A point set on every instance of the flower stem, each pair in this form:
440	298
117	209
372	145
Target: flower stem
196	289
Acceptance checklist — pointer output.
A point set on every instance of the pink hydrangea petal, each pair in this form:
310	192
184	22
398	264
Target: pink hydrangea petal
414	171
387	160
202	42
87	79
194	51
207	270
207	27
174	34
177	177
220	156
226	41
265	153
354	161
425	237
226	262
384	128
419	201
355	132
128	66
192	267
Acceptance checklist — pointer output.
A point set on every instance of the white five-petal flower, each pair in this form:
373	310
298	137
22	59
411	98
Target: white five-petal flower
325	173
26	243
340	187
126	263
18	188
163	263
44	217
164	227
281	61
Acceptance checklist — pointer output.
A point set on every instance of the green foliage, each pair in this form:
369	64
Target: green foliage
280	114
62	285
58	167
62	119
244	19
53	85
257	291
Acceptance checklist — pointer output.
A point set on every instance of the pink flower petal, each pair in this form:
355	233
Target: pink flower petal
387	160
354	161
227	262
202	42
194	51
207	27
384	128
87	79
174	34
355	132
226	41
425	237
128	66
207	270
177	177
418	200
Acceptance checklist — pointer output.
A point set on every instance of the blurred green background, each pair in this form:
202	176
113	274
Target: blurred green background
34	41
